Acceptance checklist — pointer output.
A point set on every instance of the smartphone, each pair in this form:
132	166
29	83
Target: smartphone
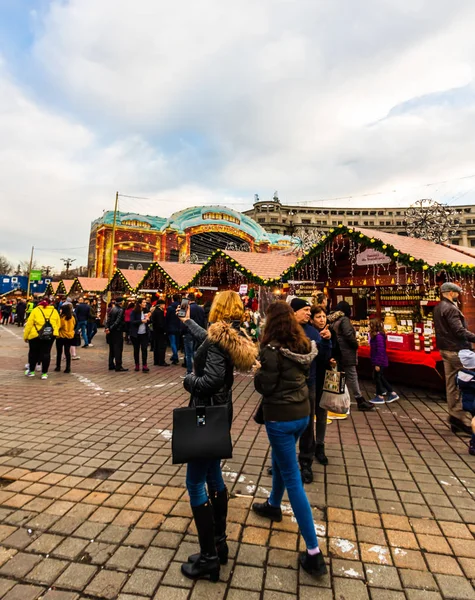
183	307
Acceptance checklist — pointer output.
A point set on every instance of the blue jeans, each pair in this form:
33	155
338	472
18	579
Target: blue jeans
283	437
199	473
82	326
189	346
91	331
173	337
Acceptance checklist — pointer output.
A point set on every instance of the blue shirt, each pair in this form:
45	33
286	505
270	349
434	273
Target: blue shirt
324	350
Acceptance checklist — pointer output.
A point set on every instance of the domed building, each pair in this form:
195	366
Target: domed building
190	235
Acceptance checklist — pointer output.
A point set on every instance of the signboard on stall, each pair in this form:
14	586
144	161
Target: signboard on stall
35	275
304	289
243	289
371	257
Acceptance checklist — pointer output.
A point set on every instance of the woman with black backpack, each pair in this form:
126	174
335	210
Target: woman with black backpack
40	331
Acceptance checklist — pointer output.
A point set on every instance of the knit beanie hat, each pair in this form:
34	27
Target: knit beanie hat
298	303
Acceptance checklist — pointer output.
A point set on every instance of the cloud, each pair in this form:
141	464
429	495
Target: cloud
201	102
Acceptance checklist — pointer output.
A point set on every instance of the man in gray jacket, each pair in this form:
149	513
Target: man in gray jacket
452	335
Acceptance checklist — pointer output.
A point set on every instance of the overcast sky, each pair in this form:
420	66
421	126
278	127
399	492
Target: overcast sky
204	101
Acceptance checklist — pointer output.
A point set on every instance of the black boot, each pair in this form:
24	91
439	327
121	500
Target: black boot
207	564
314	564
306	472
219	501
458	426
320	454
264	509
364	404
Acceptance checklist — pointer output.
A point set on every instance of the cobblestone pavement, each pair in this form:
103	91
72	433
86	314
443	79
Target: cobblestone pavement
91	506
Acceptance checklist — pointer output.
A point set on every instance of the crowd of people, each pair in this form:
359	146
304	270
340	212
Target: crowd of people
299	344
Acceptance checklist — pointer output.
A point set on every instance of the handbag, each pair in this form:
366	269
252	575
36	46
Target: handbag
201	433
336	403
76	339
334	382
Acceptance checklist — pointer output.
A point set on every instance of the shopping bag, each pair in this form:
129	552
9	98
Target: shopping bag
336	403
201	433
334	381
259	414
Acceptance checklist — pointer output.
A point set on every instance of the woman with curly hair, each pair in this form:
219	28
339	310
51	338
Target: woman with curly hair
285	357
221	349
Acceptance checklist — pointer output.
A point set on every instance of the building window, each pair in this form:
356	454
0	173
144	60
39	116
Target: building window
472	243
334	222
274	231
355	223
365	213
388	222
365	223
468	221
380	213
399	223
218	216
371	222
274	220
455	242
381	223
333	212
306	221
471	232
261	220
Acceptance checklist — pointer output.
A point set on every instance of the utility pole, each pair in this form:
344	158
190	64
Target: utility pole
29	271
67	263
111	257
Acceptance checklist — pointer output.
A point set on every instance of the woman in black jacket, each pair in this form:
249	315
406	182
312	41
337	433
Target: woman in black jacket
221	349
139	332
339	322
285	357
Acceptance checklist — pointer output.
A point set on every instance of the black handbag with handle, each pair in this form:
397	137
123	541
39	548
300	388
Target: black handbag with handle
201	433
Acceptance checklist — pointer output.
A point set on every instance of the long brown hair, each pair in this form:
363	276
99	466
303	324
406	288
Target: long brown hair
282	327
375	327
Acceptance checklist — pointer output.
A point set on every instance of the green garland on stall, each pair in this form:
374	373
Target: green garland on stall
387	249
249	275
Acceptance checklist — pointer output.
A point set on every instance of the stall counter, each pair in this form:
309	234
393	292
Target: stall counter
407	366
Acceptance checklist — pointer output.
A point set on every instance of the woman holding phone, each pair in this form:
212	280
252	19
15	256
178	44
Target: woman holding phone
220	350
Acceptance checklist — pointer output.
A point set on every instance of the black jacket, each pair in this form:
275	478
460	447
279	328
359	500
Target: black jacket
282	381
197	314
221	349
82	311
136	321
158	322
451	331
116	320
346	337
174	325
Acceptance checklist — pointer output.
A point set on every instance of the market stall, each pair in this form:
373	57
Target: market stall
166	277
395	279
64	287
52	288
124	281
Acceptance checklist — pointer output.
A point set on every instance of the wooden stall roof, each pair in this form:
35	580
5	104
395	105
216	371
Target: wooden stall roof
131	277
462	249
66	285
181	273
268	265
92	284
430	252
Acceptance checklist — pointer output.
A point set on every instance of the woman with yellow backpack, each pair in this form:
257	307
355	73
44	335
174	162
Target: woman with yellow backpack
40	331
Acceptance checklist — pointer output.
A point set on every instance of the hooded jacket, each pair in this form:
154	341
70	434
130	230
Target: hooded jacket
282	381
346	338
37	319
221	349
379	356
451	331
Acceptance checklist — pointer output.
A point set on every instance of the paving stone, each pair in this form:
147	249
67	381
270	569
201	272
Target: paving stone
5	586
205	590
157	558
423	595
252	555
76	577
125	559
60	595
446	565
71	548
47	571
24	592
107	584
250	578
455	587
382	576
175	593
283	580
143	582
308	593
380	594
347	568
350	589
174	578
46	543
19	565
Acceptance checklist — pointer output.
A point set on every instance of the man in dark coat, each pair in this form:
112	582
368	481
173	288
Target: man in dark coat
20	312
197	314
339	322
174	327
159	335
115	336
452	336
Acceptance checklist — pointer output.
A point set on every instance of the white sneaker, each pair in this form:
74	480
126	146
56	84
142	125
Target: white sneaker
91	345
27	366
44	376
38	368
75	357
29	373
